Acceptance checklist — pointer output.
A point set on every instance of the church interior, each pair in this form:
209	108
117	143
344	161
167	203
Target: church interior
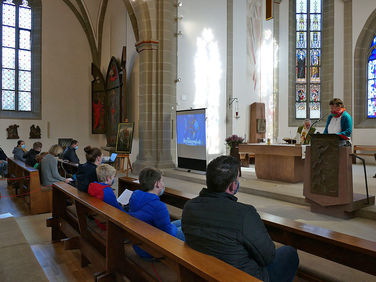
172	85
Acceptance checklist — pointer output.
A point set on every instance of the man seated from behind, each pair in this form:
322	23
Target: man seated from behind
30	156
19	151
216	224
145	205
70	152
102	189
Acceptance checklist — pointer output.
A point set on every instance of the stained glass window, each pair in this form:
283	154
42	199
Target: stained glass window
308	59
15	53
371	75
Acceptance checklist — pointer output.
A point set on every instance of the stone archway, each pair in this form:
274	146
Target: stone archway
360	73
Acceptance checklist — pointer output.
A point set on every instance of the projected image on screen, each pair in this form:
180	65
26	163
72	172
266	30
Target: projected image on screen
191	137
191	130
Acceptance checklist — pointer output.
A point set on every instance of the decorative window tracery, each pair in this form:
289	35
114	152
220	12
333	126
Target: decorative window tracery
371	79
308	59
16	56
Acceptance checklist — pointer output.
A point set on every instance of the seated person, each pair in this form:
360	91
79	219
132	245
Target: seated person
3	164
70	153
145	205
216	224
339	121
30	156
19	151
86	173
48	165
102	189
305	132
39	158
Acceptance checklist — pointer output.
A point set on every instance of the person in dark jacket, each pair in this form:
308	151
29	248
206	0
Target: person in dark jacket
216	224
19	151
30	156
70	153
145	205
102	189
3	164
86	173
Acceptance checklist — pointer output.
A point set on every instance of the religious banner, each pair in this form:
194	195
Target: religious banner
98	96
113	101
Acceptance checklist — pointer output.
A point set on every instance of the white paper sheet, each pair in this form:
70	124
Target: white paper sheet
124	197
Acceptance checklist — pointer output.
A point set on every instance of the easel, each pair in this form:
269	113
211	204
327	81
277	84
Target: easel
122	159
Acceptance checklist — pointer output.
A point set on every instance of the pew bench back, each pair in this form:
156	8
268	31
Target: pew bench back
189	264
27	183
348	250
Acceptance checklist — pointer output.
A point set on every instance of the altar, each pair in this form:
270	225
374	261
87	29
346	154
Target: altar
282	162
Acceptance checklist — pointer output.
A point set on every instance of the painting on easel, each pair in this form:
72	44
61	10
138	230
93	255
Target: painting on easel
124	137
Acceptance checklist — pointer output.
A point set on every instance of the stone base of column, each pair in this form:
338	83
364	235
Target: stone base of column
138	165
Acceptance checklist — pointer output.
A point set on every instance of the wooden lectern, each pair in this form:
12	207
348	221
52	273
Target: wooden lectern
328	183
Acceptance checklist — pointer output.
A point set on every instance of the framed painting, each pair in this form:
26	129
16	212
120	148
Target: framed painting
124	137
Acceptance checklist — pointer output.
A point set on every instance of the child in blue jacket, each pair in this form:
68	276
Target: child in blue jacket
102	189
145	205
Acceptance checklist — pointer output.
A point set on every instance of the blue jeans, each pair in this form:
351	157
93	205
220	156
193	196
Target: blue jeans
179	234
3	168
284	265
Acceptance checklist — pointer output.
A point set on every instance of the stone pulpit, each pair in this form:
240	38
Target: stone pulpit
328	182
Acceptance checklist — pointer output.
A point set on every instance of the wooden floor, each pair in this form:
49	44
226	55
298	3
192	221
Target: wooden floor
57	263
61	265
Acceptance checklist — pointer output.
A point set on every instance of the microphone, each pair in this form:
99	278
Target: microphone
320	119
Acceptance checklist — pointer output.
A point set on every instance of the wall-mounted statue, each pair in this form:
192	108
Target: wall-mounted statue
13	132
35	132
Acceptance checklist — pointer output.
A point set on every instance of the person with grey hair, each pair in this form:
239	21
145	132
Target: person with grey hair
305	132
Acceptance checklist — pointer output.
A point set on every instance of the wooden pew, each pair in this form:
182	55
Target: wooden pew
366	148
348	250
37	197
108	254
66	168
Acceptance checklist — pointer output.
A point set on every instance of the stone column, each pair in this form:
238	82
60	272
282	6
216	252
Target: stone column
157	95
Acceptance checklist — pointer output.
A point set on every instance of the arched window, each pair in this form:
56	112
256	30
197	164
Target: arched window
308	59
20	88
371	79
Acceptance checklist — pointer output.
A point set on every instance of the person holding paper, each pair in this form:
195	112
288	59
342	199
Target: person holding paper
145	205
102	190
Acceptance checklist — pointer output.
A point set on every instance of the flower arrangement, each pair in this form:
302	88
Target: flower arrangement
234	140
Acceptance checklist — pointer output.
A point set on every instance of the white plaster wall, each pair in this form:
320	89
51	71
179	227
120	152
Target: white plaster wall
66	76
118	32
93	9
114	33
241	81
201	20
361	10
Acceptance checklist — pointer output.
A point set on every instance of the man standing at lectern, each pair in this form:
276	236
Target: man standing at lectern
339	121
